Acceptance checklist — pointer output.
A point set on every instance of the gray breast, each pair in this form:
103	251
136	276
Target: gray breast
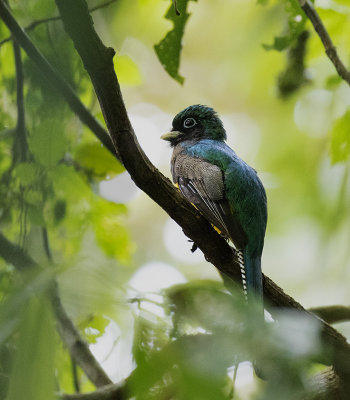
209	176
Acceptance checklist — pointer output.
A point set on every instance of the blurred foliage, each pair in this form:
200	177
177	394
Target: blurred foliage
212	331
169	49
35	352
295	23
293	76
340	139
180	342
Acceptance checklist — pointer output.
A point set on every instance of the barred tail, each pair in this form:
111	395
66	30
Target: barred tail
251	276
240	257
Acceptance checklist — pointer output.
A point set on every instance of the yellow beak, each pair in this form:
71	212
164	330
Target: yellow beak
170	135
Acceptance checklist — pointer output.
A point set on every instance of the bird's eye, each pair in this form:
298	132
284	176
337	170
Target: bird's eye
189	123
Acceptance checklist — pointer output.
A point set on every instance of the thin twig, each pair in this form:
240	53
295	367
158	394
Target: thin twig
46	244
177	12
77	346
14	255
55	79
331	50
38	22
76	382
20	145
21	124
332	314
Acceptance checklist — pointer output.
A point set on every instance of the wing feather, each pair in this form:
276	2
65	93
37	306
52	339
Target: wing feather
202	183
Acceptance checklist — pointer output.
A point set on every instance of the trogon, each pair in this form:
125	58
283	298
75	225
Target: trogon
225	189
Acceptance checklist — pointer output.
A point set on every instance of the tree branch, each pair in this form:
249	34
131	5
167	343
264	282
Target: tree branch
75	376
38	22
325	386
76	345
108	392
14	255
331	50
98	62
332	314
55	79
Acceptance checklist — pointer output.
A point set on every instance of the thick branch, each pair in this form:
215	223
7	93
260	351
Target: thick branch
54	78
332	314
76	345
331	50
98	62
38	22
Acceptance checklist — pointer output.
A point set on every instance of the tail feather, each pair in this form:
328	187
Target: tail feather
253	275
240	257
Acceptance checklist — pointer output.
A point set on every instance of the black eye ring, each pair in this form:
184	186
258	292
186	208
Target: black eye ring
189	123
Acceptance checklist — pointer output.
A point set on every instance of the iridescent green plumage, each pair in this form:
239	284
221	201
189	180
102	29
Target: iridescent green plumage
224	188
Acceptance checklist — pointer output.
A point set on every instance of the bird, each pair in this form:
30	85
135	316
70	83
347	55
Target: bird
224	188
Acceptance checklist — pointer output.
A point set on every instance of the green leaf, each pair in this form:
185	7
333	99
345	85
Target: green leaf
333	81
169	48
98	160
36	215
293	76
111	235
279	43
27	172
33	375
94	327
340	139
34	197
69	184
296	20
47	143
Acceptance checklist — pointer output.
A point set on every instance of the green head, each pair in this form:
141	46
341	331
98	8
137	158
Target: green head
194	123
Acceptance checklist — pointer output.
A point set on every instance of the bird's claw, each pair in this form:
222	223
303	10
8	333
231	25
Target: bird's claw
194	246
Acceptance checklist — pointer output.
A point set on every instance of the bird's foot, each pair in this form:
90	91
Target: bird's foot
194	246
